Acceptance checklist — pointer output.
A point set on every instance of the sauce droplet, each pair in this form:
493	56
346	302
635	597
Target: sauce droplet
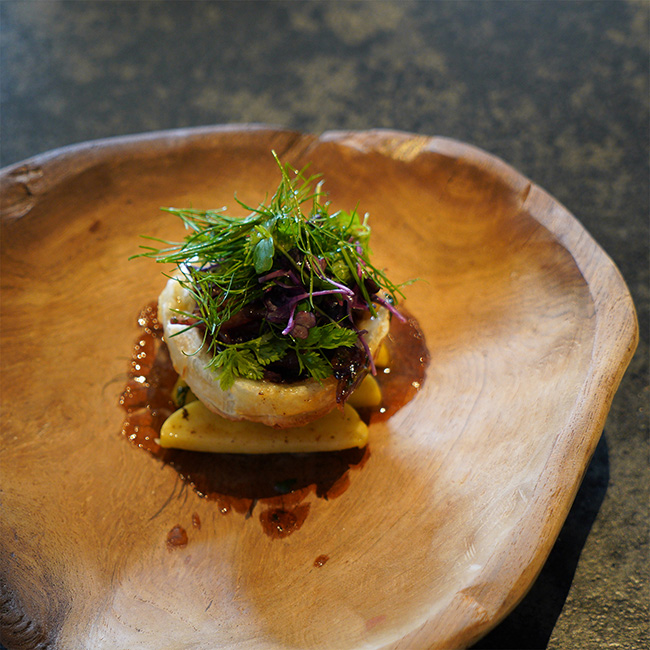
320	560
278	522
176	538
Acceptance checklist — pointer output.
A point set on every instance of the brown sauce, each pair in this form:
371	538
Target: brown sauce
281	522
239	481
176	538
320	561
403	378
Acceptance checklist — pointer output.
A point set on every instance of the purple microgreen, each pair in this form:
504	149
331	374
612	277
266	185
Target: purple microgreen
391	308
287	330
271	276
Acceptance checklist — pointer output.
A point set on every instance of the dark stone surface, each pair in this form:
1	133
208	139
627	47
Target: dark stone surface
557	89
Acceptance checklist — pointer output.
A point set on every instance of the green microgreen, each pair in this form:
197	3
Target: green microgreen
293	241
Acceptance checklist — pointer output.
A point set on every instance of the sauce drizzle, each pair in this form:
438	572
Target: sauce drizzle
239	481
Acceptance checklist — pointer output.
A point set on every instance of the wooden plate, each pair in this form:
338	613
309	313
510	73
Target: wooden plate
446	523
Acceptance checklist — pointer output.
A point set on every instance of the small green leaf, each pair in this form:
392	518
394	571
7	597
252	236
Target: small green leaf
236	363
263	255
341	270
319	368
270	350
329	337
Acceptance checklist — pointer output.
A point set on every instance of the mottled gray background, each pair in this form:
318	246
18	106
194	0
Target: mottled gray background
558	89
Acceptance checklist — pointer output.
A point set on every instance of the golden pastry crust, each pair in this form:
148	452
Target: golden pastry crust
277	405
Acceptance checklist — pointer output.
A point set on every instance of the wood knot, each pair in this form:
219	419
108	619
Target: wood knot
18	191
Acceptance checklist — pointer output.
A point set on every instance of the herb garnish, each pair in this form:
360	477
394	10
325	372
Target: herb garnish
277	292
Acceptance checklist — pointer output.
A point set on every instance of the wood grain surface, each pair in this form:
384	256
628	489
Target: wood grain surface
443	527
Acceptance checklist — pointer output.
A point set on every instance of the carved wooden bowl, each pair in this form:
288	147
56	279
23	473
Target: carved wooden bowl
426	542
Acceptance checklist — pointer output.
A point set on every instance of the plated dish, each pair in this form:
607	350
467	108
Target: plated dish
429	537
